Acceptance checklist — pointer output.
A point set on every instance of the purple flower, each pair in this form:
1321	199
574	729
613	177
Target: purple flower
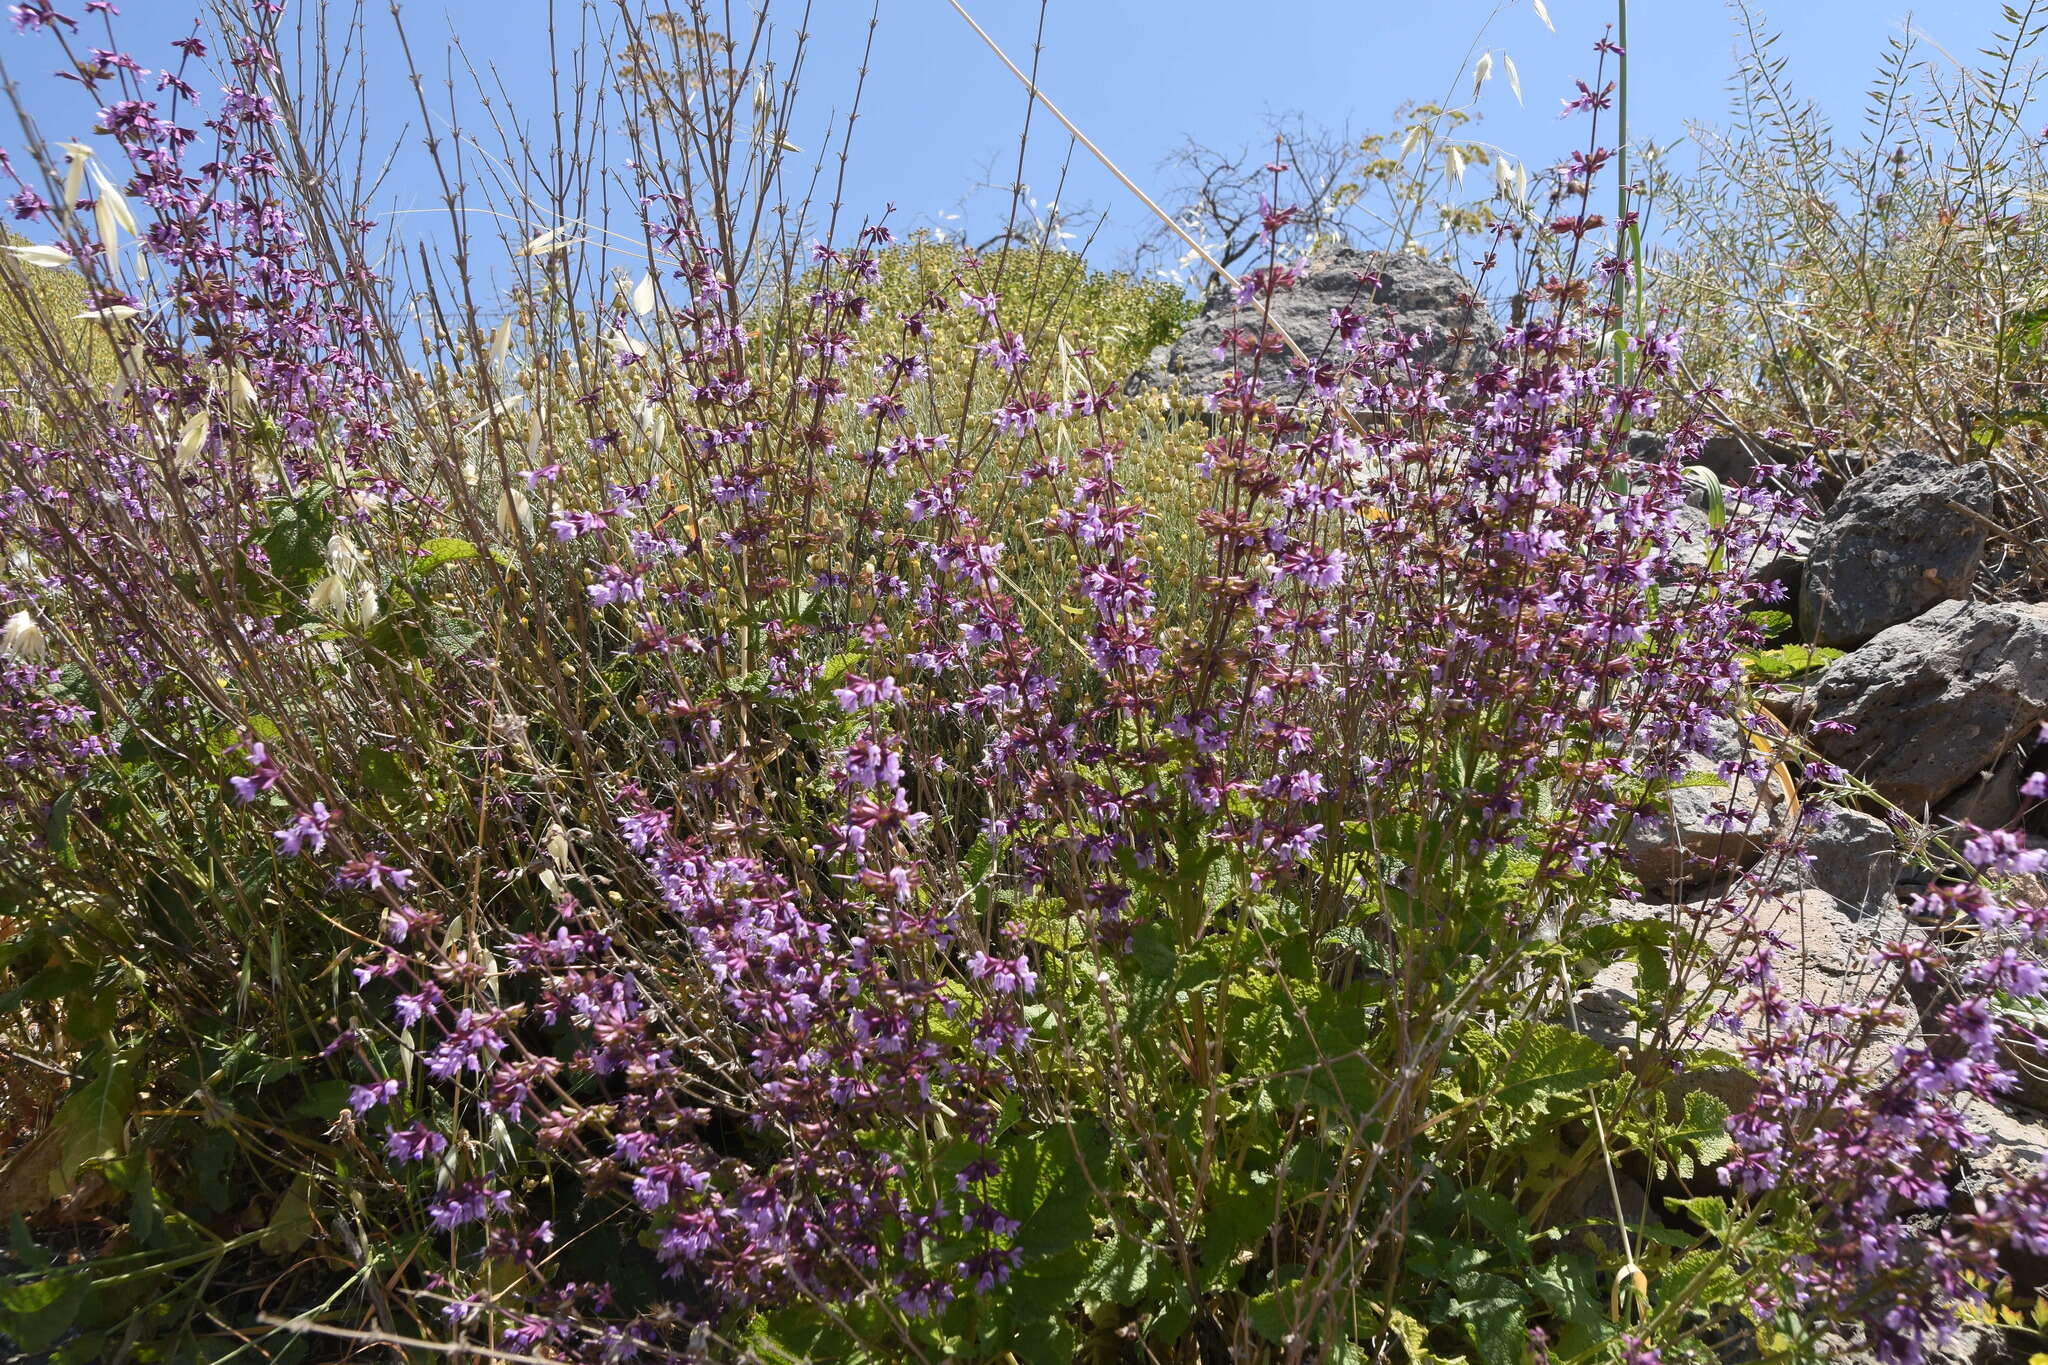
363	1098
263	775
468	1202
856	692
417	1143
307	829
1006	976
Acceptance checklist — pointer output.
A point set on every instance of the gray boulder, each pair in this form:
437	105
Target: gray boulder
1932	703
1894	544
1852	856
1735	456
1990	800
1414	294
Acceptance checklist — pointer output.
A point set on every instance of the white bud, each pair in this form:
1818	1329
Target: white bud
329	597
514	513
76	155
22	638
239	387
343	556
366	604
192	438
48	257
103	192
501	343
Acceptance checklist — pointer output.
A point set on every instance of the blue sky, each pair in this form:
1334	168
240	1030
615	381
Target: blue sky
940	115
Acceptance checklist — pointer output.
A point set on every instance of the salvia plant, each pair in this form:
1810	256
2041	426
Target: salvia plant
757	806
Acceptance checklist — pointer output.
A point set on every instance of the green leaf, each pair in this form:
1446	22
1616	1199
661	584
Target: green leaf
296	542
1414	1339
91	1349
1241	1213
1041	1339
1771	623
1276	1314
1788	662
1544	1061
1166	1325
1567	1287
1043	1185
1709	1211
1498	1215
1151	983
94	1119
51	983
1119	1273
1704	1276
35	1313
291	1224
439	551
1706	1127
57	829
1494	1313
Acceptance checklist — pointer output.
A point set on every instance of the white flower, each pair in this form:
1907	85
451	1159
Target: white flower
23	639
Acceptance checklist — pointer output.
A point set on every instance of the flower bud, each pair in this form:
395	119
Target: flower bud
192	440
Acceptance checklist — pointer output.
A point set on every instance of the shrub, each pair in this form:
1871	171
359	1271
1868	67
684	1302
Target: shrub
1878	290
719	816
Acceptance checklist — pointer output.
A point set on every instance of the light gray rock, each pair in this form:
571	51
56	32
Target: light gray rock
1852	856
1935	701
2015	1144
1829	956
1703	827
1834	948
1894	544
1969	1344
1414	294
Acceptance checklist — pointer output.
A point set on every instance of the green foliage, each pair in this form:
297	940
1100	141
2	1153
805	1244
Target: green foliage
1054	297
1243	1092
1788	663
39	324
